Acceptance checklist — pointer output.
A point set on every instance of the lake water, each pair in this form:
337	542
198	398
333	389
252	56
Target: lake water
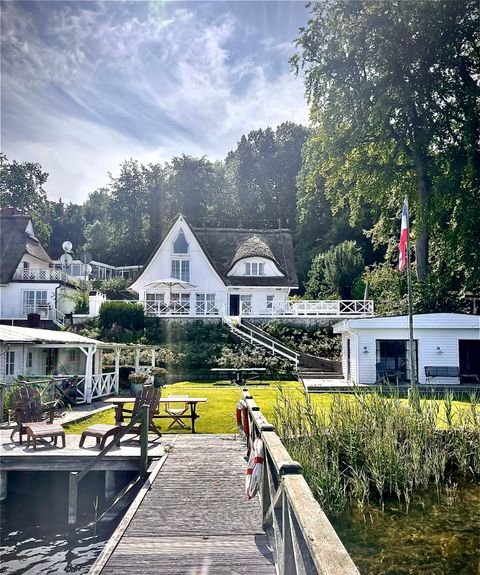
439	535
33	524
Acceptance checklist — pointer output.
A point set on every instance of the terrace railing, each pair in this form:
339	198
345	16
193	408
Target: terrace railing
303	540
103	384
40	274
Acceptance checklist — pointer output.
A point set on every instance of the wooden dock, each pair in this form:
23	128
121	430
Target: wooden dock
194	518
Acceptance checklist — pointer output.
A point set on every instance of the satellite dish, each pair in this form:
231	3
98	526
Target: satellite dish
66	259
67	246
88	269
86	257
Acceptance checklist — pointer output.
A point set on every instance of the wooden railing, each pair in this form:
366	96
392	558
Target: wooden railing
303	540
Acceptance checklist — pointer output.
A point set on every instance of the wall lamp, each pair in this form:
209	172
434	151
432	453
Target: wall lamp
365	349
439	350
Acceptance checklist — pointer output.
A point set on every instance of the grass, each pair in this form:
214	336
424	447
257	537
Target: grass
217	415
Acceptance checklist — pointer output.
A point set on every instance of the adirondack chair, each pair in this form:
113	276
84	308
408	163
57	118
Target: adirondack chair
102	432
31	418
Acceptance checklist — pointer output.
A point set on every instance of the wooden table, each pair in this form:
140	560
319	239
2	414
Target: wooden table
119	403
238	376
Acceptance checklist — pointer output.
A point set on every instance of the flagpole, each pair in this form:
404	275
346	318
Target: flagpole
413	370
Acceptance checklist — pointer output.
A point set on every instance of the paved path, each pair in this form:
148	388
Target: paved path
195	519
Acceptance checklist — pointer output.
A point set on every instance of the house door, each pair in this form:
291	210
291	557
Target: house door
469	358
234	306
393	359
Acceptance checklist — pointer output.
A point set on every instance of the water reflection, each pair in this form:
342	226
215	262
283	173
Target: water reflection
33	524
439	535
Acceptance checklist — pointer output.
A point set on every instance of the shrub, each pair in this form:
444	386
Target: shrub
119	314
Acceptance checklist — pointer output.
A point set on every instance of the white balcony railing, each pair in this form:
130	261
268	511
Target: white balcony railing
40	274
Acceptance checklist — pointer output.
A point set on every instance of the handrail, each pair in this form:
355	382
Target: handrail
303	539
76	476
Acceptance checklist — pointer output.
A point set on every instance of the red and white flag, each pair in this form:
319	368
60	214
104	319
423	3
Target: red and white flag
402	247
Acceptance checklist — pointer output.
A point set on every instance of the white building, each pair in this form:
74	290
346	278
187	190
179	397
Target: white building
373	346
219	270
28	282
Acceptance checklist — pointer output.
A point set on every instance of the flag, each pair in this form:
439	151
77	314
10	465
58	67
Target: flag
402	247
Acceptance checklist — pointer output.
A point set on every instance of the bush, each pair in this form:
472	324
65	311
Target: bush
119	314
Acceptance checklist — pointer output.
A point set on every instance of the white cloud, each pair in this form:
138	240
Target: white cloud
112	81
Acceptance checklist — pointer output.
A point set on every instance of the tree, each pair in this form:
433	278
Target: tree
333	273
21	187
393	89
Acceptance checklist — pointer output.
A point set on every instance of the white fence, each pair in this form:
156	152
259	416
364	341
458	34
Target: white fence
102	384
41	274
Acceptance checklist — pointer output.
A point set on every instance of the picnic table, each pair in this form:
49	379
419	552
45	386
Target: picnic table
238	373
191	414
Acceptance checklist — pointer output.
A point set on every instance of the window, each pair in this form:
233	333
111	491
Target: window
29	362
245	304
26	265
71	357
155	303
181	270
270	299
180	303
254	269
180	245
10	363
33	299
205	304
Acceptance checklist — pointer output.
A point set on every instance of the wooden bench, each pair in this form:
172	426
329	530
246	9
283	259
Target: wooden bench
432	371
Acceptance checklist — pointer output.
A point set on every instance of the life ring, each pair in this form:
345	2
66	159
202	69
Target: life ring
242	418
254	469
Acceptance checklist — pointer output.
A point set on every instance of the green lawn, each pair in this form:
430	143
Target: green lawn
218	414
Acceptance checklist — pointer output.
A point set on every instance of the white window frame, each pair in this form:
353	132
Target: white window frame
40	298
183	271
29	360
254	269
180	231
10	363
205	304
245	304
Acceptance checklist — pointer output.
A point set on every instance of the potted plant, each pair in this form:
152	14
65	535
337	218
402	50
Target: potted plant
159	374
137	379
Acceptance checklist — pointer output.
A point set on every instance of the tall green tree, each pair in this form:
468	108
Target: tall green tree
394	90
21	187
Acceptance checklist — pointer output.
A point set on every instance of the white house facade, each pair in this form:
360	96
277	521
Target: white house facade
28	282
379	344
213	271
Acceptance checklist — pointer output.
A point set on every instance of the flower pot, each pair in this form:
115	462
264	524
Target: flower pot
136	388
158	381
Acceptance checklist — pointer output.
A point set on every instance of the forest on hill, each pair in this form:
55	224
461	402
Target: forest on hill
395	113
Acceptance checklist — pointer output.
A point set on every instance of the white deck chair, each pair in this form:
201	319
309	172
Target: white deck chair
177	412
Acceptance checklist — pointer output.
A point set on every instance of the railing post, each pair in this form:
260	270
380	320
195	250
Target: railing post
144	441
72	500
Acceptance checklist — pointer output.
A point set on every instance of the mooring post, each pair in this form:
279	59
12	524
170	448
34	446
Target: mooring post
72	500
144	441
109	484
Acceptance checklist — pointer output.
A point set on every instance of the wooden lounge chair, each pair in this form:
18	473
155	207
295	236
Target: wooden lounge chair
102	432
31	418
176	412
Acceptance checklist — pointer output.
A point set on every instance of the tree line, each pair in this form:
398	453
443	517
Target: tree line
394	95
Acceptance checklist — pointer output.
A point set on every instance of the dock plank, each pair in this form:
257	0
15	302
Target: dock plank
195	518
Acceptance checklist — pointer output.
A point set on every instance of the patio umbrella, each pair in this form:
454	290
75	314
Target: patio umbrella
169	283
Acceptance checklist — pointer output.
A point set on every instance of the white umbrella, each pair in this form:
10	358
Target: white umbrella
169	283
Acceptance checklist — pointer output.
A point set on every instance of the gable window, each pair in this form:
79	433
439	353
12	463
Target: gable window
181	270
10	363
254	269
180	245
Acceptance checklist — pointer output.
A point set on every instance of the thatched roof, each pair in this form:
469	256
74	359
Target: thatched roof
226	246
15	242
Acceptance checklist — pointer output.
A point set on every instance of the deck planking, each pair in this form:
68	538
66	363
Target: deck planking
195	518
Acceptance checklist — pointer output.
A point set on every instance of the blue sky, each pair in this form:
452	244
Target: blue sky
86	85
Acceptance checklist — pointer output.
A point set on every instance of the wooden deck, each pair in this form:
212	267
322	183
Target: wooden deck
194	520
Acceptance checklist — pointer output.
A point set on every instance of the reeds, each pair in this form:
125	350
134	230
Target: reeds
372	446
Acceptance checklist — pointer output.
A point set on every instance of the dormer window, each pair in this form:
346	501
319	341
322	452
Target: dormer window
254	269
180	245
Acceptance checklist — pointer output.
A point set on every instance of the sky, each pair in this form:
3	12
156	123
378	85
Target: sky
86	85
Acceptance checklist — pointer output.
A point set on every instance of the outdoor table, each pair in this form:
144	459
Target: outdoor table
238	372
120	402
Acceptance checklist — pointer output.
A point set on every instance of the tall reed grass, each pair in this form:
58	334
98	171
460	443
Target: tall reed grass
372	446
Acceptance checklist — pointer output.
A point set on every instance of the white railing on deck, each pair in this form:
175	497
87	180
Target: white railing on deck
103	384
40	274
303	539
